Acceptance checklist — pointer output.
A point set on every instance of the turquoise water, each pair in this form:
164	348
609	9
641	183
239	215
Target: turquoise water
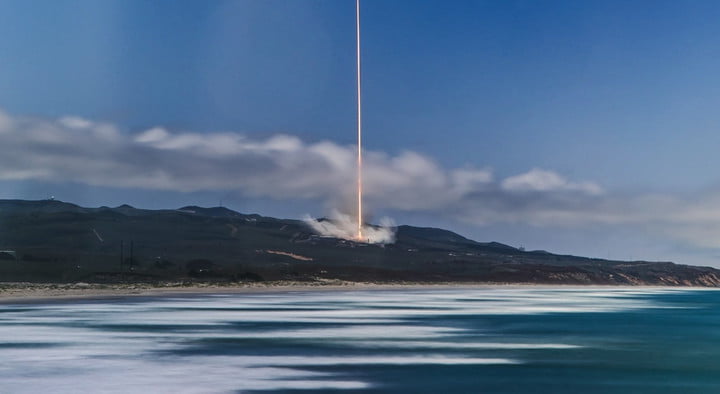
478	340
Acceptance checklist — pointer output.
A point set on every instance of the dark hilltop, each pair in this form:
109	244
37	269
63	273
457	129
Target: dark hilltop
54	241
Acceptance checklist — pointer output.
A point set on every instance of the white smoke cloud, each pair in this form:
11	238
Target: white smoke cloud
343	226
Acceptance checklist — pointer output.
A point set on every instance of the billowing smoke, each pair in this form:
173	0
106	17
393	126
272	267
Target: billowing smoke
340	225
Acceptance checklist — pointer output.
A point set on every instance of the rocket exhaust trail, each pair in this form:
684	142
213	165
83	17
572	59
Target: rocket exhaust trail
346	226
359	127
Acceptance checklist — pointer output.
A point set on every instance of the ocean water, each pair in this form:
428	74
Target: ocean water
465	340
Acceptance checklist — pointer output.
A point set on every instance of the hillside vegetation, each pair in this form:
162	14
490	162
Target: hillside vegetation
54	241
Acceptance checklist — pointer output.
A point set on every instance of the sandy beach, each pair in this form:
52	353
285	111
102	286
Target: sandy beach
25	292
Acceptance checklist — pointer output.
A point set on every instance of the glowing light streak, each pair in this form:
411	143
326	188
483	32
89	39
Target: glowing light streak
359	128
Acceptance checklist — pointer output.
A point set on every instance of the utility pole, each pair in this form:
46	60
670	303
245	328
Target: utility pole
122	254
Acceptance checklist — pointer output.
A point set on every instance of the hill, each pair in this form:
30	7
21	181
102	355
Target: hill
59	241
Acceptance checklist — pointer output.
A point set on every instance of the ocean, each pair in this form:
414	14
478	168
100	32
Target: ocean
520	339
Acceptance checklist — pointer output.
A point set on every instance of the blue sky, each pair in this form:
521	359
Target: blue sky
587	127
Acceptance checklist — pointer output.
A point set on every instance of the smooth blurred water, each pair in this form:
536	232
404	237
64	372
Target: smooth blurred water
471	340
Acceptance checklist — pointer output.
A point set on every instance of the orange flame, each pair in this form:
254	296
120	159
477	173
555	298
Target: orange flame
359	128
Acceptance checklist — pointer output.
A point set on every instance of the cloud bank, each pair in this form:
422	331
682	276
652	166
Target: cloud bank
280	166
73	149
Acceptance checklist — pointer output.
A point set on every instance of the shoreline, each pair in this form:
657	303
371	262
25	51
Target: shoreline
31	293
25	292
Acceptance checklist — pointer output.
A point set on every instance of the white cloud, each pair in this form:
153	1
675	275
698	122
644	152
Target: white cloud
5	122
281	166
75	122
537	180
152	136
100	130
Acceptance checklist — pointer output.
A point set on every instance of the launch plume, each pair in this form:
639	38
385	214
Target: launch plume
343	226
360	236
